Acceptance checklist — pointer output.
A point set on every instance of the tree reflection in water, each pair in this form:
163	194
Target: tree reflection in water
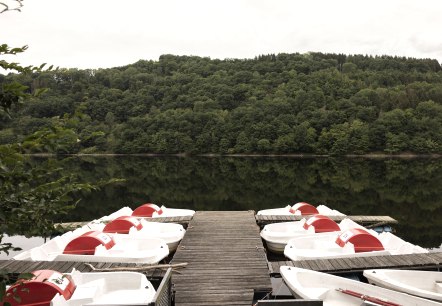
408	190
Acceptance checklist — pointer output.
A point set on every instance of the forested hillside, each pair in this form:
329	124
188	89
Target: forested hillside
273	104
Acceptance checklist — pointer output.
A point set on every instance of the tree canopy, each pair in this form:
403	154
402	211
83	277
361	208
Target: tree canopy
273	104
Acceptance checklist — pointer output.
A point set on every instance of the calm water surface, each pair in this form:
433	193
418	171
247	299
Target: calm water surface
409	190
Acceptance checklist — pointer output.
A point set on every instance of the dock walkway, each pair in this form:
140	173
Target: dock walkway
432	261
226	260
367	221
25	266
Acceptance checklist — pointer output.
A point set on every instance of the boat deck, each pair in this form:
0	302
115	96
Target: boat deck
226	260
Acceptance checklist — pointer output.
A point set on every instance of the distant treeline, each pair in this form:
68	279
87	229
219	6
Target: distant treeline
273	104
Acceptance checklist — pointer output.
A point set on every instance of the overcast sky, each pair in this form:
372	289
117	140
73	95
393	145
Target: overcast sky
109	33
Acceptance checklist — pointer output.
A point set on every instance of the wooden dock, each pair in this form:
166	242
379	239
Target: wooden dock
227	263
367	221
184	221
25	266
226	260
423	261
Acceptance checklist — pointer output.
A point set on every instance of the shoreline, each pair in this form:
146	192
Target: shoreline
248	155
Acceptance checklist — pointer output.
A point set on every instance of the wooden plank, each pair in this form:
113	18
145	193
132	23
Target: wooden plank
298	302
180	220
358	264
5	263
20	266
206	297
217	303
364	220
325	265
226	260
437	256
338	264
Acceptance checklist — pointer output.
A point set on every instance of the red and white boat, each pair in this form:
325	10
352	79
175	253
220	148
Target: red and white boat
339	291
50	287
300	209
149	210
171	233
426	284
81	245
277	235
355	242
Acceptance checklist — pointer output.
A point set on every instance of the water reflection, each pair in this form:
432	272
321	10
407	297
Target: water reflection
408	190
22	242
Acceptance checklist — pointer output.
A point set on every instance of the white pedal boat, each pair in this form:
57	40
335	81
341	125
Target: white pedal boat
338	291
172	233
426	284
99	247
300	209
75	289
355	242
277	235
149	210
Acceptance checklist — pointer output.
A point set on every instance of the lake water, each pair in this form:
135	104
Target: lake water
409	190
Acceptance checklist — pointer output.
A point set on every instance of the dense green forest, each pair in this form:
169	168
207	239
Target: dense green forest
310	103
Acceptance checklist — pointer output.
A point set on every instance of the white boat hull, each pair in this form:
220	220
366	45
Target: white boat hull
323	246
135	250
277	235
309	284
165	212
426	284
171	233
108	288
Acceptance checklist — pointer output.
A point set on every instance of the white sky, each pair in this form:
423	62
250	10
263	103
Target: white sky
109	33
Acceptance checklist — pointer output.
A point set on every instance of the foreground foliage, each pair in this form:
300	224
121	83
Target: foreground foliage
33	195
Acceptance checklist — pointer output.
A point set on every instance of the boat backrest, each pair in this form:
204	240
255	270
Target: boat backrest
362	240
321	224
303	208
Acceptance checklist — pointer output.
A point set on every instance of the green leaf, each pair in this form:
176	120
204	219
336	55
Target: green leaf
40	91
26	276
2	289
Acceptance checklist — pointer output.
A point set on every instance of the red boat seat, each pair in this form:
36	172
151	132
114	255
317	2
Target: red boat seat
321	224
147	210
86	243
122	225
304	208
362	240
40	290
